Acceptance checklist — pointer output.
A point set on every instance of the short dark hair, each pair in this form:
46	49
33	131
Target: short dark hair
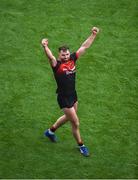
63	48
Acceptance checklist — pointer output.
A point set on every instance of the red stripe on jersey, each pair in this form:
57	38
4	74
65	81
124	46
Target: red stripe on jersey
67	66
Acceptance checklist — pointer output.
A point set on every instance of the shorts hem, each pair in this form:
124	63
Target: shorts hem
62	107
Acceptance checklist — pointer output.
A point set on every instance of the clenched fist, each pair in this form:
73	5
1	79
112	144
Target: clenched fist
44	42
95	30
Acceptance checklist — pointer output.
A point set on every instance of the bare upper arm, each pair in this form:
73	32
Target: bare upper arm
52	61
81	51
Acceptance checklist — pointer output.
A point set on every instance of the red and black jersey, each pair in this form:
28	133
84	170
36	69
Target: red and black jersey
65	73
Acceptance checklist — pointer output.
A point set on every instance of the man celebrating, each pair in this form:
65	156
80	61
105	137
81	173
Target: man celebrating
64	69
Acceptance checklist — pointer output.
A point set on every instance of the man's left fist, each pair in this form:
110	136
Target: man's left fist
95	30
44	42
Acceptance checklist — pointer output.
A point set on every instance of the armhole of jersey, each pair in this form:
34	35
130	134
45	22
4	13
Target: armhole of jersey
56	67
77	55
74	56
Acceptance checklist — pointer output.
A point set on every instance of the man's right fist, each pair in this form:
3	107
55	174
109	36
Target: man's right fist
44	42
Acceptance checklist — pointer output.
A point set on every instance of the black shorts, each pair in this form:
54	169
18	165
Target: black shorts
67	101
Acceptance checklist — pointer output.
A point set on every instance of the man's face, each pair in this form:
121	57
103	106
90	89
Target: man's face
64	55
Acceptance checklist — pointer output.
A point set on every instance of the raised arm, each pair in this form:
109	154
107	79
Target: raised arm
88	42
48	52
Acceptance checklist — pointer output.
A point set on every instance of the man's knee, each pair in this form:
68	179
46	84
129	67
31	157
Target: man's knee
72	116
75	123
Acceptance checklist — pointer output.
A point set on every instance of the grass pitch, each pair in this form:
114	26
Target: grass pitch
106	85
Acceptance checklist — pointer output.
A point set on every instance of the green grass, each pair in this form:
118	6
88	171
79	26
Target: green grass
106	85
